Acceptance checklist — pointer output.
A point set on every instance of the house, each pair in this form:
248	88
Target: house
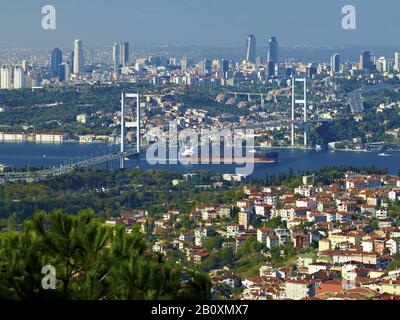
162	247
317	266
344	217
306	203
300	240
297	289
227	279
340	257
391	286
245	217
200	256
305	191
381	214
233	230
263	210
379	245
224	211
393	245
386	223
263	233
367	245
337	238
394	195
330	287
347	206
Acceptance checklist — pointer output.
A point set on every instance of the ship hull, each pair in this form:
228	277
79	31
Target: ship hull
254	158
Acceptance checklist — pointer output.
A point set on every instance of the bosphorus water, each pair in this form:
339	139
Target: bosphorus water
37	155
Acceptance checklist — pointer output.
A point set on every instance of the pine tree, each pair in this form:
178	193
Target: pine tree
92	262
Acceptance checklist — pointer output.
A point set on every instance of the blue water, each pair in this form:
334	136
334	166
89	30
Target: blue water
31	154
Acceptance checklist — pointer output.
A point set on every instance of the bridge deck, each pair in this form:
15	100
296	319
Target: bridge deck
58	171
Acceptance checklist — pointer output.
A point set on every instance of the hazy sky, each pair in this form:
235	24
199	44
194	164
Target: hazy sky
198	22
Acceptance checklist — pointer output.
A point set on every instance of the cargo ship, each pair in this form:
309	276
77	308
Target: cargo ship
253	156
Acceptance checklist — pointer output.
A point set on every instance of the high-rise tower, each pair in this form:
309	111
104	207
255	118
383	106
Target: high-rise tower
273	50
56	60
5	75
19	78
365	61
79	64
335	62
124	54
251	49
116	57
397	61
63	72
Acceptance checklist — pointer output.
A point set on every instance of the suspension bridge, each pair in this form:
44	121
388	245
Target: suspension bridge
125	152
39	175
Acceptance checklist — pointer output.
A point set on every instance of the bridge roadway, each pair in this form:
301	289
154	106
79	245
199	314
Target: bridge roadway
61	170
355	97
288	122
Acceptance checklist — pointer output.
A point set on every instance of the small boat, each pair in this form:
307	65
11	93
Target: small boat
384	155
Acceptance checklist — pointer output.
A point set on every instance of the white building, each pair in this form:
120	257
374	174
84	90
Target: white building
297	289
79	64
50	137
19	78
13	136
393	245
397	61
5	75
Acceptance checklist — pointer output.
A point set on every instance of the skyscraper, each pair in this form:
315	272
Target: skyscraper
19	81
124	54
185	63
79	64
56	59
63	71
224	68
25	65
251	49
206	67
365	61
270	69
71	62
5	75
382	64
397	61
335	62
116	58
273	50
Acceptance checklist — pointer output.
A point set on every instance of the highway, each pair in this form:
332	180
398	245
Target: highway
355	97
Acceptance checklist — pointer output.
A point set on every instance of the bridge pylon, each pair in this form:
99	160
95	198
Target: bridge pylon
302	102
124	96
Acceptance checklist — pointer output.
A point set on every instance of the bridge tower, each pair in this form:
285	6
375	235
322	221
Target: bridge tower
302	102
125	125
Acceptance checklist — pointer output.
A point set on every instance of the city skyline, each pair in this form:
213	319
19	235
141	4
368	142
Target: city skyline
316	23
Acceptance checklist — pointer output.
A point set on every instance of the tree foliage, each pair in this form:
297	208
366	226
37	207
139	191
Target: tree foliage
92	262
